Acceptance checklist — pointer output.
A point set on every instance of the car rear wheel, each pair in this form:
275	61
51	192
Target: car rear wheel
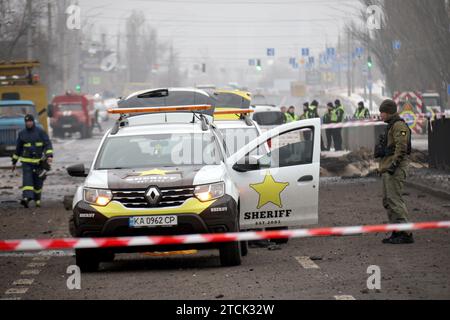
58	133
84	132
108	256
244	248
87	260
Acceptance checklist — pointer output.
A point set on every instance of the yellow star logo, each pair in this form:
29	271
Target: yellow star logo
269	191
154	172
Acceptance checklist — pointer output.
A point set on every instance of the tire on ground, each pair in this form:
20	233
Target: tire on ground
84	132
244	248
230	252
87	260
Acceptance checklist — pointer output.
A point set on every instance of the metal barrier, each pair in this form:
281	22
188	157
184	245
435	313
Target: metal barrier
361	137
357	135
439	143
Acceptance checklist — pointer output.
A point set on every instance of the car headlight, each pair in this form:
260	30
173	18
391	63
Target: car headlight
209	192
99	197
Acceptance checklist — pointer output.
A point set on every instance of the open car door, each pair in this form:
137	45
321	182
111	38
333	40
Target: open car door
281	187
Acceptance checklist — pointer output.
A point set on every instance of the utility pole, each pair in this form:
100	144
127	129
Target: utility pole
339	61
170	68
50	67
29	9
349	84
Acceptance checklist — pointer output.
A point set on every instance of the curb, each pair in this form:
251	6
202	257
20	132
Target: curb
434	192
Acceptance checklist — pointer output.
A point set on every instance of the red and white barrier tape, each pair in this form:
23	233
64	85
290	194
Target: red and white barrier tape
83	243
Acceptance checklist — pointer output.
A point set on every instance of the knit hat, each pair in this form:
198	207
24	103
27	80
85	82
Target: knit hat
29	117
315	103
388	106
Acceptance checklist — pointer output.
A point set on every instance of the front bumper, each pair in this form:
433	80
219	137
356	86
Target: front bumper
221	216
7	150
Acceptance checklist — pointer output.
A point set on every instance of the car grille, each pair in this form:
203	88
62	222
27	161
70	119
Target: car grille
170	197
8	136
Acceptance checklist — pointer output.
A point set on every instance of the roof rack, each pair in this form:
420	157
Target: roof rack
201	107
125	113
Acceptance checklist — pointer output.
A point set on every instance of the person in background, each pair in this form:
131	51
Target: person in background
291	116
313	110
283	109
96	121
32	148
339	117
361	112
305	111
328	119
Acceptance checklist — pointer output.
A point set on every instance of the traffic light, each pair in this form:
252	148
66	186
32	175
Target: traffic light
258	65
369	62
78	88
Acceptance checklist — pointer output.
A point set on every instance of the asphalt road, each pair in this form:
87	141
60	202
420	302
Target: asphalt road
313	268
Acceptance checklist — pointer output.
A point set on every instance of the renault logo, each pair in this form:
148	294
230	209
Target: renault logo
153	195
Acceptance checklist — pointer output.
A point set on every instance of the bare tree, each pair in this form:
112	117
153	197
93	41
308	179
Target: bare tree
422	27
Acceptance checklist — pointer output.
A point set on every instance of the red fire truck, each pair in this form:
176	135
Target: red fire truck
72	113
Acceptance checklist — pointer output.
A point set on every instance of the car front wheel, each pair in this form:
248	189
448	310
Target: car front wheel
230	254
87	260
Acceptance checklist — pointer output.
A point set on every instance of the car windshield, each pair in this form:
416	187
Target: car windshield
158	150
431	101
16	111
70	107
270	118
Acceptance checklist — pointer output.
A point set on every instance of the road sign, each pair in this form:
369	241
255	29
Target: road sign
331	52
305	52
359	52
252	62
271	52
396	44
410	118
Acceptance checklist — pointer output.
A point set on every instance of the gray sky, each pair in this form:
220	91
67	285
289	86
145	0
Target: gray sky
232	31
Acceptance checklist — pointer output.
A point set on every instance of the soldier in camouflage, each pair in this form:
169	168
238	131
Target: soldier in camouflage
393	151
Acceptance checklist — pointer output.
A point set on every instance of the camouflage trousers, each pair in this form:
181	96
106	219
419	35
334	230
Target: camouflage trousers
392	196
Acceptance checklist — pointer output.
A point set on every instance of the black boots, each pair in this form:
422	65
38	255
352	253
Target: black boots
399	238
25	202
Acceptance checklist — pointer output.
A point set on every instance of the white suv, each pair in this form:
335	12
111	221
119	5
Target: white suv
168	174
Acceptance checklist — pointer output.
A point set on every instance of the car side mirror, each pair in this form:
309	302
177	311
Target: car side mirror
251	163
77	170
50	111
